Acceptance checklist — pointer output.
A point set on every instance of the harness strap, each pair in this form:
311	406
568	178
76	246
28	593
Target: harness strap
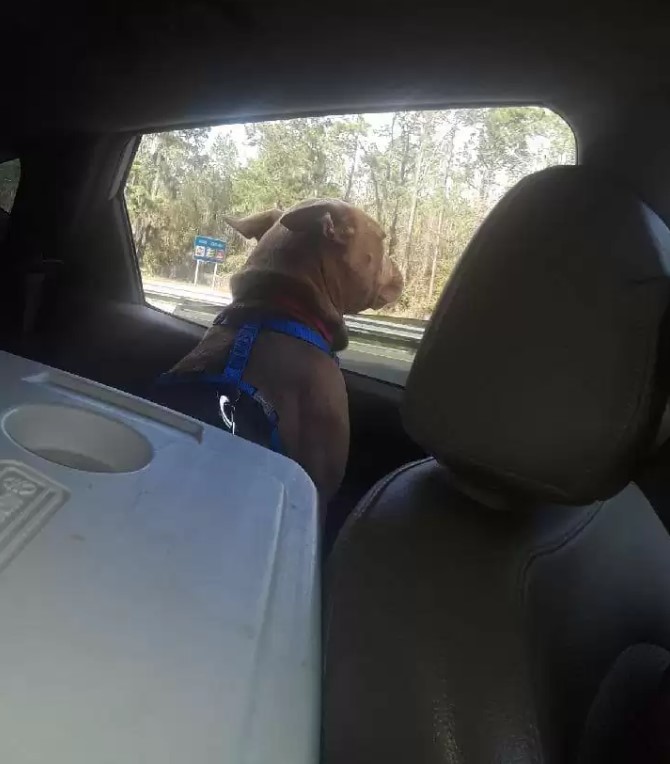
268	410
240	352
230	380
299	331
215	380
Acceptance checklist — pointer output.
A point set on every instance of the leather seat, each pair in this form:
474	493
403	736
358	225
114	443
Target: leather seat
482	604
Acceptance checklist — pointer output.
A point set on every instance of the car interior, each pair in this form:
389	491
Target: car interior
496	566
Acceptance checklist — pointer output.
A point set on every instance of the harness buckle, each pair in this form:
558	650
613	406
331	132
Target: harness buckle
227	411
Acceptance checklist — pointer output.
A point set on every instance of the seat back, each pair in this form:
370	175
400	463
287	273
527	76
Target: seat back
477	602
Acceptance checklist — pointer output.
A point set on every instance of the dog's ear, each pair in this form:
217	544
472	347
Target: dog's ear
254	226
319	214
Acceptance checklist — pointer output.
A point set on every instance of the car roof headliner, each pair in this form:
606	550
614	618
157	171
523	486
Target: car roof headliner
216	61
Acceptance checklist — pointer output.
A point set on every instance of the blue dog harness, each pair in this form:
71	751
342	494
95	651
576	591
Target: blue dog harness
230	386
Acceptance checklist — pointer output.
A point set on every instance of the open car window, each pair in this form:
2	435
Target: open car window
429	178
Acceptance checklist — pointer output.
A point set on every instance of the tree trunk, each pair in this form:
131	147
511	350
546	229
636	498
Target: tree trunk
436	254
393	228
389	169
390	148
416	187
378	201
486	182
142	232
449	162
352	171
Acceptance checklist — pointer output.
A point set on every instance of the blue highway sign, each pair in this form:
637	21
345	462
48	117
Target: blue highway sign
208	250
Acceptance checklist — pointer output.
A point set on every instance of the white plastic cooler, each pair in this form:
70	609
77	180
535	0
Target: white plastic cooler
159	584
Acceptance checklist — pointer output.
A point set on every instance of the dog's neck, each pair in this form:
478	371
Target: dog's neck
291	308
279	293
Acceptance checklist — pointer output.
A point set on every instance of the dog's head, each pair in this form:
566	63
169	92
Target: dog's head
335	247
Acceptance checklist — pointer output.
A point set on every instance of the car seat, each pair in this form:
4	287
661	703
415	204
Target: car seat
483	604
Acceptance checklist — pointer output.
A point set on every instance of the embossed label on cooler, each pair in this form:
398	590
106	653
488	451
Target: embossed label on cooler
27	500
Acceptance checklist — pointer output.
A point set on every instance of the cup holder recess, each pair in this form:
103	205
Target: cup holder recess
77	438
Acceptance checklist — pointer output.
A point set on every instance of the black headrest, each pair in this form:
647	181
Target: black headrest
539	370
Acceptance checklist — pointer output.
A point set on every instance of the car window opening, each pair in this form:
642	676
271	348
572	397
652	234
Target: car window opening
428	177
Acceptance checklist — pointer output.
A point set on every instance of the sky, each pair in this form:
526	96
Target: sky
376	120
246	152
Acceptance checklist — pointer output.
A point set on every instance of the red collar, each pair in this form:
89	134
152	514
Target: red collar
291	309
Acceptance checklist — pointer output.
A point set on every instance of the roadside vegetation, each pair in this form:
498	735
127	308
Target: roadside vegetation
428	177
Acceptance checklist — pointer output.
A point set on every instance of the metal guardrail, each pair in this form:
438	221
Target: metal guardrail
201	305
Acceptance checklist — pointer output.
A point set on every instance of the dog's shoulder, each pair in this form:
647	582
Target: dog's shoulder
208	353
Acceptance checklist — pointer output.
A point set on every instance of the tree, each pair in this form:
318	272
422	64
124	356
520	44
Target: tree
296	160
429	178
163	186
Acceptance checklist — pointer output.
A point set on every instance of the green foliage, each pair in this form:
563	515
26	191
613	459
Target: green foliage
296	160
428	177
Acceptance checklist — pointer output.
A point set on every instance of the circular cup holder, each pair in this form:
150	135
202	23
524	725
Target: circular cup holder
77	438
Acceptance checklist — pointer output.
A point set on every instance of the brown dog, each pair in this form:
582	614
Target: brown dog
321	259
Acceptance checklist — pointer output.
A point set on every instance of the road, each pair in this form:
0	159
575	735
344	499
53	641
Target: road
200	305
